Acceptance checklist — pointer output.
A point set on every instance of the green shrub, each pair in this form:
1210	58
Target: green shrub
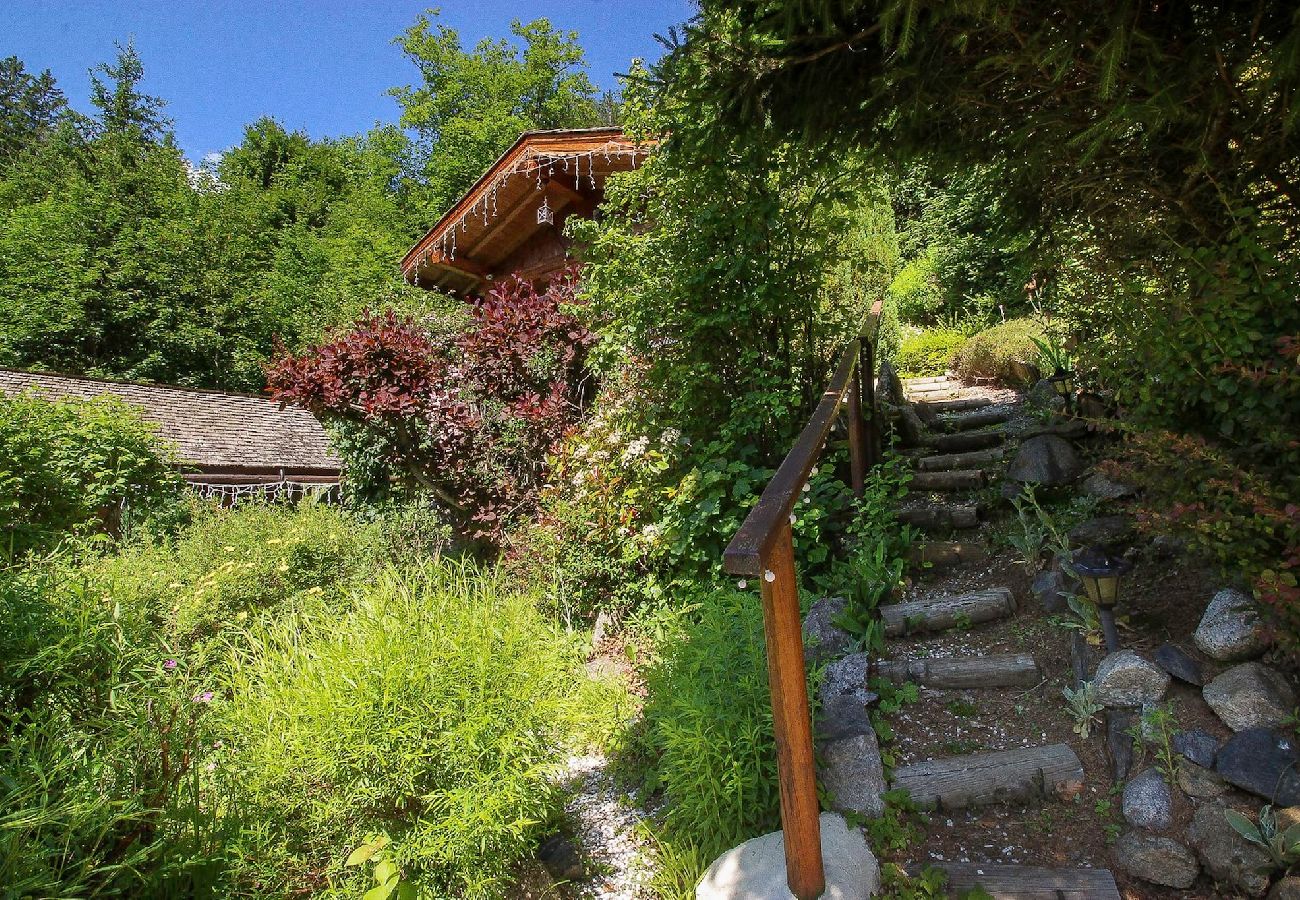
429	713
928	352
708	729
917	289
990	353
231	565
75	467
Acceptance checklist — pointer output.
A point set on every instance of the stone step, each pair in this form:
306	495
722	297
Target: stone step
927	379
963	672
947	612
1004	776
959	404
948	554
946	462
965	441
935	397
950	480
1003	882
980	418
940	516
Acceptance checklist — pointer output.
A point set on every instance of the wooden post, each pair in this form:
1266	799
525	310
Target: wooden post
857	435
791	721
867	372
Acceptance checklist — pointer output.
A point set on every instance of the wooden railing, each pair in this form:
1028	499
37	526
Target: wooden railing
763	548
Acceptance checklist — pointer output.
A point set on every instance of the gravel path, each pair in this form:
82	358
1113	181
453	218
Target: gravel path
606	819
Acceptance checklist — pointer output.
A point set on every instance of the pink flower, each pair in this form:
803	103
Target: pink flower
205	697
169	665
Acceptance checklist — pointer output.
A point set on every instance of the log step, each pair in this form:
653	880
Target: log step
950	461
949	612
965	441
959	673
977	779
948	554
927	380
1004	882
939	517
958	405
951	480
980	418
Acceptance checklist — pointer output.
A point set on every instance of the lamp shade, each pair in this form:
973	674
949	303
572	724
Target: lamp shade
1101	573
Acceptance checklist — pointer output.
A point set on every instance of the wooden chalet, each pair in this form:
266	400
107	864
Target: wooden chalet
512	220
229	445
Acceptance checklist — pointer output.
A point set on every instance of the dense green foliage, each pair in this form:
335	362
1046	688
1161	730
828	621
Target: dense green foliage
333	698
76	468
928	352
992	353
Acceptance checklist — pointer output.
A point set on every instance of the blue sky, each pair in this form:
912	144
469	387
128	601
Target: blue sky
321	66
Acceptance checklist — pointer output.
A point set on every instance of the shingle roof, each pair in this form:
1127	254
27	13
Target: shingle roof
213	430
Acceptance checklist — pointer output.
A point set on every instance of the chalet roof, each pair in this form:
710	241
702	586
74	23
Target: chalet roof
561	172
214	431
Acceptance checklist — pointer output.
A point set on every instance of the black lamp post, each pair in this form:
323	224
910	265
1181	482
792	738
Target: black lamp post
1101	573
1063	382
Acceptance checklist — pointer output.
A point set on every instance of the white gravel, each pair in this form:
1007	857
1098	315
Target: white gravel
607	822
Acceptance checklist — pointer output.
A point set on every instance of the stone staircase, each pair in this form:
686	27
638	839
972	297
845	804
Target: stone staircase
961	456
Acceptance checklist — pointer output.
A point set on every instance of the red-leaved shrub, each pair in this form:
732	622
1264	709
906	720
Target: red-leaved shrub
472	418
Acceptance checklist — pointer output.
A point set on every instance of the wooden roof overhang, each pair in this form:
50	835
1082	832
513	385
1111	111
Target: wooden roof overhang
521	201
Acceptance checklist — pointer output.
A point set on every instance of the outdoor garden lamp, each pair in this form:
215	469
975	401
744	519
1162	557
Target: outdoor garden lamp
1101	573
1063	382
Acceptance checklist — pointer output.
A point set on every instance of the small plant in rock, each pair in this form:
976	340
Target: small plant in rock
1083	707
1083	618
1155	731
1282	845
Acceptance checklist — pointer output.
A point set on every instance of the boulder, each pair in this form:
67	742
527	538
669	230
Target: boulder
1197	745
1178	663
1250	695
844	697
1233	862
1148	802
1099	486
1167	546
1103	531
1263	762
1046	459
1126	679
1286	889
1230	630
1159	860
1050	584
889	387
561	858
849	769
823	640
1043	394
910	426
1200	782
756	869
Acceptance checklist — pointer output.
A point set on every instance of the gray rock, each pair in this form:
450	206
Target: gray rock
823	640
1197	745
1228	858
889	387
1159	860
1167	545
910	426
1250	695
1126	679
1286	889
1103	531
851	772
1263	762
1200	782
1099	486
1179	664
756	869
1148	802
1230	630
1047	459
844	697
1050	585
1043	394
561	858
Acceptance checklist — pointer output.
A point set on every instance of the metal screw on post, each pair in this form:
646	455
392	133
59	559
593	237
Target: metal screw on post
1101	573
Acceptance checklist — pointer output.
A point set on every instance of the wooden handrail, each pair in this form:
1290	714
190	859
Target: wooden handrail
764	548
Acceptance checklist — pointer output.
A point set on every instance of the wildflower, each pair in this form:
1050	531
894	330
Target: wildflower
742	584
169	665
205	697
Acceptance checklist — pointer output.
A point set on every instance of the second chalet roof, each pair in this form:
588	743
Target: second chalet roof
563	169
214	431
